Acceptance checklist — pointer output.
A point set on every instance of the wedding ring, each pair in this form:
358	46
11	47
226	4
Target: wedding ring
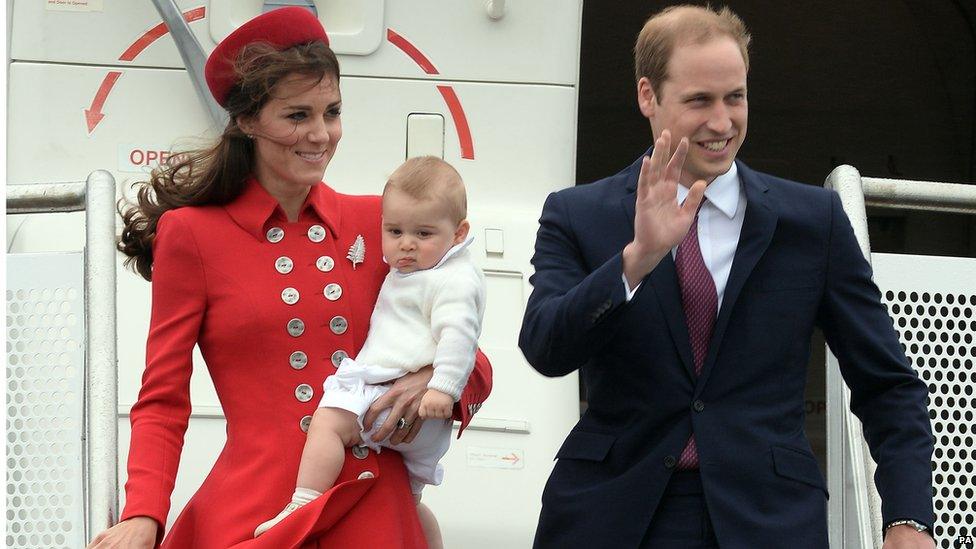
402	423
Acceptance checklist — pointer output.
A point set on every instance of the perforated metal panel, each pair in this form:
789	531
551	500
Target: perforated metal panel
933	303
45	389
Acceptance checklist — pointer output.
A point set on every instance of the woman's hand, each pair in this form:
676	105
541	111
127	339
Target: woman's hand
133	533
403	399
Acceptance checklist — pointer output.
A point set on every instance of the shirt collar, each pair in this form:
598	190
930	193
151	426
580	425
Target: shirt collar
255	207
455	250
722	192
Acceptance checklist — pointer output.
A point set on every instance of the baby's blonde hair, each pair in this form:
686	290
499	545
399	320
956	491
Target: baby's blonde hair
427	178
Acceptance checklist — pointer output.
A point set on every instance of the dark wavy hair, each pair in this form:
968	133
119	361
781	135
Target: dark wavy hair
216	174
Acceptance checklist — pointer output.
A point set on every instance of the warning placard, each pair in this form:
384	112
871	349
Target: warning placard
73	5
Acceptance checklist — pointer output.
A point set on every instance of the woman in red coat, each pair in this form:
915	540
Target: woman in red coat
274	275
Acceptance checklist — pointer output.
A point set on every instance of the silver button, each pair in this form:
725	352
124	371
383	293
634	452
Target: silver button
316	233
338	356
289	296
325	263
275	234
360	452
338	325
366	474
303	392
333	292
305	423
284	265
296	327
298	360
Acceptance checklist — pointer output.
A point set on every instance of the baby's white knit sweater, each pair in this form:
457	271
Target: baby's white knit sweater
431	316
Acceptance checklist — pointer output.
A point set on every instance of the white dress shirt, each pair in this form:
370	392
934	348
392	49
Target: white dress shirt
719	226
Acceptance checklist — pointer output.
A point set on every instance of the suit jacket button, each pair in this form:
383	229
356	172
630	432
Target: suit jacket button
366	474
360	451
670	462
698	406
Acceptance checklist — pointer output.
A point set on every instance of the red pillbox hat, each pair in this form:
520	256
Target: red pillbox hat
282	28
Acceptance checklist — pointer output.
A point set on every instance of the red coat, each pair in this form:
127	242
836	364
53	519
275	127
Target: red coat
218	282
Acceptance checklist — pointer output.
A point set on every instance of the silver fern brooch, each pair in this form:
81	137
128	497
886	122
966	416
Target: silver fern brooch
357	252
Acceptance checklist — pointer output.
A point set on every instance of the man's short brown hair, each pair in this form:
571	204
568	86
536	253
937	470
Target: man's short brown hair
429	177
679	25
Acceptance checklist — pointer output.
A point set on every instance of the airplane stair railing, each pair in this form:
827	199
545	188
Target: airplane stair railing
932	301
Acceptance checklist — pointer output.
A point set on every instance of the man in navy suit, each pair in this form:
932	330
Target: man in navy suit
690	322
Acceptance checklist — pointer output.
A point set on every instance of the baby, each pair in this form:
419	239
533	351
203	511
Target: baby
429	311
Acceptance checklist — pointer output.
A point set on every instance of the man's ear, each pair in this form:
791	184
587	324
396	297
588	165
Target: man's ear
646	99
461	234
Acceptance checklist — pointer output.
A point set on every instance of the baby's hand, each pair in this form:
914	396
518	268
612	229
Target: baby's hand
436	404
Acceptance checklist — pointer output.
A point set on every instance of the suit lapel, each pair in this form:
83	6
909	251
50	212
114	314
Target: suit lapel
664	280
758	227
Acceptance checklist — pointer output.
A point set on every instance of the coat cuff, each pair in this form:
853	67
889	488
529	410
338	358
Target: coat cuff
475	392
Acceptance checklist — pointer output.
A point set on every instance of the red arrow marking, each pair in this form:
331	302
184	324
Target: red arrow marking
460	121
511	457
411	51
450	97
94	115
156	32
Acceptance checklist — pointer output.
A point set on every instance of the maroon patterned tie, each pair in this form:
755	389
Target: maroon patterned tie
700	302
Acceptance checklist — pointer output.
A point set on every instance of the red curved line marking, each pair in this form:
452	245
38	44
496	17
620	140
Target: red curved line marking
460	121
411	51
158	31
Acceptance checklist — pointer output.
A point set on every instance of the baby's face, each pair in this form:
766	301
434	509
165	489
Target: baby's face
416	233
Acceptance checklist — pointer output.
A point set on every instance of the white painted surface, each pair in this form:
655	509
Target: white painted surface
515	80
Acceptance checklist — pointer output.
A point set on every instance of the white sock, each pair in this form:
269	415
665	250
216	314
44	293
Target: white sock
304	495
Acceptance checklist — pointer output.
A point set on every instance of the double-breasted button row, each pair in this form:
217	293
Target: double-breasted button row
285	264
316	233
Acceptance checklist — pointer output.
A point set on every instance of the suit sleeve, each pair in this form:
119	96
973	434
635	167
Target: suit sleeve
886	394
571	314
159	417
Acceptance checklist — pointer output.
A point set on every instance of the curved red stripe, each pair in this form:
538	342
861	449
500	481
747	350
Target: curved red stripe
411	51
460	121
156	32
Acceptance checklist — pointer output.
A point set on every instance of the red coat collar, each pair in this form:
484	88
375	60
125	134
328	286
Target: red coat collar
255	207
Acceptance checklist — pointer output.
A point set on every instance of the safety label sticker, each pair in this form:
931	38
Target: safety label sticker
495	458
73	5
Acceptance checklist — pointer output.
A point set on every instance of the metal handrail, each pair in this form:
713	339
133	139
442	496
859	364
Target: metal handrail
96	196
846	448
194	59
